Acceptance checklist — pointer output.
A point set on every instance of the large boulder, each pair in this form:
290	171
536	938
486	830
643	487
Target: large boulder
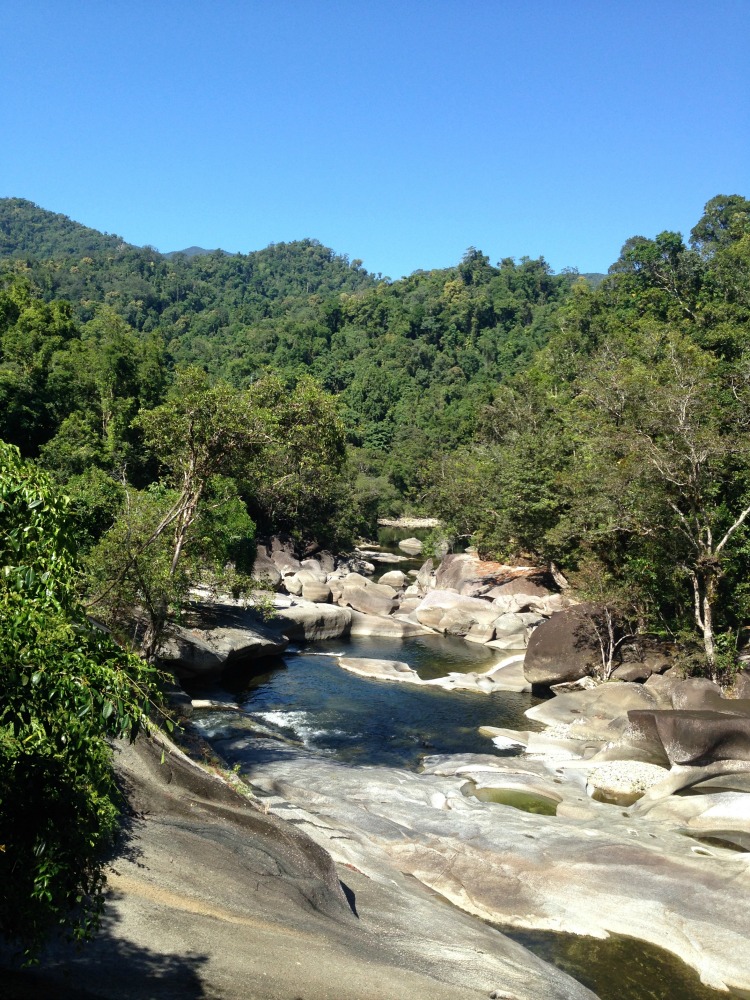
631	672
399	628
282	554
468	575
694	737
265	570
311	573
318	593
315	566
663	685
697	693
219	638
742	684
368	599
425	576
312	622
395	578
411	545
292	585
524	594
445	609
563	648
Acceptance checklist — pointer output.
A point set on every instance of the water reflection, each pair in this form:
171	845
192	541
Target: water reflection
617	968
312	701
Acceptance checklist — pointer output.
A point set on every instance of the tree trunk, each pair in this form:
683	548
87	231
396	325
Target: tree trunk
709	597
154	631
705	586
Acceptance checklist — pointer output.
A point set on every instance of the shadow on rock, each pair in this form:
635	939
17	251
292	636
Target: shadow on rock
107	968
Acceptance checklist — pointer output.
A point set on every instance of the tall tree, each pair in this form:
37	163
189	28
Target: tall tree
201	432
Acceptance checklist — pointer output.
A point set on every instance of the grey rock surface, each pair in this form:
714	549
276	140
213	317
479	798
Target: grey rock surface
265	570
313	621
215	637
563	648
318	593
468	575
603	702
590	870
213	897
694	736
411	545
364	625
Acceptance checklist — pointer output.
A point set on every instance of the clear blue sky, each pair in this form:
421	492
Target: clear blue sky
397	132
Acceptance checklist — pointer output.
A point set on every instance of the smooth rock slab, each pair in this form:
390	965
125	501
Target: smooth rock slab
220	899
595	875
605	701
504	676
381	670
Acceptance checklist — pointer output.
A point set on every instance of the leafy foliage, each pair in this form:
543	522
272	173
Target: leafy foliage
621	451
597	424
66	688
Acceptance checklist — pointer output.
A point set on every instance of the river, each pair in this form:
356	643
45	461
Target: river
319	709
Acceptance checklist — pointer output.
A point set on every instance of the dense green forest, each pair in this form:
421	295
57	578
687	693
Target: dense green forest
412	362
159	411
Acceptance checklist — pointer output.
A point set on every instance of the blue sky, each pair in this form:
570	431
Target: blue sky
398	133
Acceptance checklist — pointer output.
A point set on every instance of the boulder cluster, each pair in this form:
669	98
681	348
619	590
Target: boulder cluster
485	602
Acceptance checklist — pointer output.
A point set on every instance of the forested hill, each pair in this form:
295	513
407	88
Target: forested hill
27	230
413	361
192	252
603	428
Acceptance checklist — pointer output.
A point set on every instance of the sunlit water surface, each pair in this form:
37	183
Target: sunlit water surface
309	699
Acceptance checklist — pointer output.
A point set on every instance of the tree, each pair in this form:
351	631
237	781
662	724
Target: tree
663	463
663	267
66	688
202	431
297	482
726	217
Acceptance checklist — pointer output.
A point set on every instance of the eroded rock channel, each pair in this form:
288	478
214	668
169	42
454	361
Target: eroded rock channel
617	809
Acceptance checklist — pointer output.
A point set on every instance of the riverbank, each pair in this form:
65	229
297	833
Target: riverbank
212	896
521	841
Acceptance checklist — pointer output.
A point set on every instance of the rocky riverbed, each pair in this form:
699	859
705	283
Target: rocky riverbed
625	808
627	811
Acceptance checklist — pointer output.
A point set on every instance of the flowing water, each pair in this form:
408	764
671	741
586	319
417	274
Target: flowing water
309	699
